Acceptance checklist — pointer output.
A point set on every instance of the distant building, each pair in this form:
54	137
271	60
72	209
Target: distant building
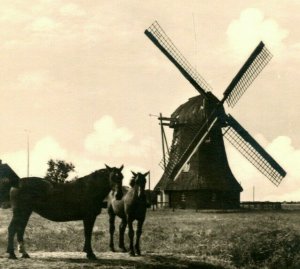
8	178
7	172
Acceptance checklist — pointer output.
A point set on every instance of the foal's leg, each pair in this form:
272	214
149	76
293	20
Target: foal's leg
131	237
20	234
112	217
138	236
88	223
122	229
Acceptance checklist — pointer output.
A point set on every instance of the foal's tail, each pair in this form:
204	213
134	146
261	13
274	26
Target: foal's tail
5	185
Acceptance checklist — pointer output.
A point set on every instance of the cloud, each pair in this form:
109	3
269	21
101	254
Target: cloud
13	15
105	135
252	27
33	80
109	139
43	24
282	150
72	10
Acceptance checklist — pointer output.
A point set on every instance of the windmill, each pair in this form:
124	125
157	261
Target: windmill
197	158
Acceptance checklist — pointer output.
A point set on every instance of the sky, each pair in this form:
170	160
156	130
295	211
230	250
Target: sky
79	81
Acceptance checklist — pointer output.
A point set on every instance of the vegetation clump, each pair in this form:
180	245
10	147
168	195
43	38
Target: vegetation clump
58	170
267	249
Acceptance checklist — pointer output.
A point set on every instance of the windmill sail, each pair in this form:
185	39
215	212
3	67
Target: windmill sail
252	151
249	71
165	44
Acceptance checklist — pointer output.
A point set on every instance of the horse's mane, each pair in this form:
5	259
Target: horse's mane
95	173
79	179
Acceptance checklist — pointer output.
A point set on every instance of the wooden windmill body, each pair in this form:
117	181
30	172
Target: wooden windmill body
196	170
206	181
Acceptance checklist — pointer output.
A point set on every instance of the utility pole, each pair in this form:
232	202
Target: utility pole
149	180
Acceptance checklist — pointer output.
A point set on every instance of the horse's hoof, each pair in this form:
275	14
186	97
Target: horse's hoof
25	256
123	249
12	256
91	257
131	253
112	249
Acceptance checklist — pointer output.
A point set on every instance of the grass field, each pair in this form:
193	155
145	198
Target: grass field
265	239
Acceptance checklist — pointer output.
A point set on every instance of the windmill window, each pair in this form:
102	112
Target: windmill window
186	167
176	141
207	140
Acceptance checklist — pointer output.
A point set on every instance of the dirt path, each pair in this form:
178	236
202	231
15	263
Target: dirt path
107	260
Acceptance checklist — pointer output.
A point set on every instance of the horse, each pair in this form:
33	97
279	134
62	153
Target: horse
132	206
81	199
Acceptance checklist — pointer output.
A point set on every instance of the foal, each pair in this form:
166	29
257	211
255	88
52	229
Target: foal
132	206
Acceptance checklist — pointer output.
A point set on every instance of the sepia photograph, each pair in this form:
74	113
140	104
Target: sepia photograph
149	134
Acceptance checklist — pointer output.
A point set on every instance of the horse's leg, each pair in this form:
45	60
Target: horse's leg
88	223
138	236
112	217
122	229
131	236
20	215
12	229
20	233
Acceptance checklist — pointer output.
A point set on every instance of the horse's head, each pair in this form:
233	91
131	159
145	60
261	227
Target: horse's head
116	180
139	181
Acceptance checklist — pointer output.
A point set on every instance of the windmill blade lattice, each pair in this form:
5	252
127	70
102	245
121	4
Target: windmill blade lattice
249	71
165	44
252	151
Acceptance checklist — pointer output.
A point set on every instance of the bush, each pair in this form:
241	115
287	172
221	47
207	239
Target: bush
271	249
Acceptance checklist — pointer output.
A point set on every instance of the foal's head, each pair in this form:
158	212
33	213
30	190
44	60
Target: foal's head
116	180
139	181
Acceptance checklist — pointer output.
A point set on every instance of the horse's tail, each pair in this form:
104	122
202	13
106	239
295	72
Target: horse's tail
5	185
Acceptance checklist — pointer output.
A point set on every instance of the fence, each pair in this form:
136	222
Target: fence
260	205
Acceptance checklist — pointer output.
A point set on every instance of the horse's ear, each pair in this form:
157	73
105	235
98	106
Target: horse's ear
132	182
121	168
107	167
146	174
134	173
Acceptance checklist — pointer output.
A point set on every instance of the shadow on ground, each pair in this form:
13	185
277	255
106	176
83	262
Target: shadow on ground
74	260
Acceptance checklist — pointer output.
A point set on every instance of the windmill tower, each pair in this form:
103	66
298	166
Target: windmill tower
196	169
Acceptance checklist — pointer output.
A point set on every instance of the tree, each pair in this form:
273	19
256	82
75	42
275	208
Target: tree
58	170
